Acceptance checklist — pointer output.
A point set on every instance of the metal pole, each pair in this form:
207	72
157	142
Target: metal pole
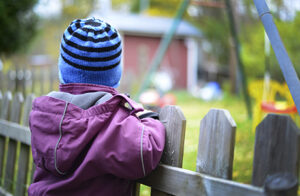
163	46
144	5
238	57
283	59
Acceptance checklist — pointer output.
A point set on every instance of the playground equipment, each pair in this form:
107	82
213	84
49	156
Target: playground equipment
271	97
267	91
283	59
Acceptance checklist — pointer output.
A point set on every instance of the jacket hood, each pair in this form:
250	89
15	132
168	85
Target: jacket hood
84	101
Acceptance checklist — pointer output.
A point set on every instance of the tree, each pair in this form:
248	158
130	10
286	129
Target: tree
18	25
52	27
76	9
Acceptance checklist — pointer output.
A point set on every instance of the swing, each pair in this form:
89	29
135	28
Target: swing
266	93
270	104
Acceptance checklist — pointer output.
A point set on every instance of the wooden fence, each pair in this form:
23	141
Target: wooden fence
37	80
275	166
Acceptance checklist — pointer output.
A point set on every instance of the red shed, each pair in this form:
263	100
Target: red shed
141	37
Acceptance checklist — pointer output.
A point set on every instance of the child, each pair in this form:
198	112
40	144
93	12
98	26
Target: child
87	139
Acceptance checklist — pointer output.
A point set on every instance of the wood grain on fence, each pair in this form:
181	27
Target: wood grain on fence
2	80
12	144
182	182
22	170
216	144
15	131
11	79
277	147
33	80
16	108
5	110
1	100
41	80
4	114
27	109
175	124
23	135
30	80
23	163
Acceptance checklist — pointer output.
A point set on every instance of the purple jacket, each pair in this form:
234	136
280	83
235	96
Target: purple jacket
87	140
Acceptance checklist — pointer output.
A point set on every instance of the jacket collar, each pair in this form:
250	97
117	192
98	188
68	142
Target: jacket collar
80	88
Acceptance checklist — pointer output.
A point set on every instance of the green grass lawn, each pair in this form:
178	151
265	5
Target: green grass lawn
194	110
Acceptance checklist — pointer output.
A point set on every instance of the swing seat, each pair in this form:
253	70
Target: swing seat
280	107
271	104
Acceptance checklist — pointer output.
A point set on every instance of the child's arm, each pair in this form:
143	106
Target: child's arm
153	144
139	149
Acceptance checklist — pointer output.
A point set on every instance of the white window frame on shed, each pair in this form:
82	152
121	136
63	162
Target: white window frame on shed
192	63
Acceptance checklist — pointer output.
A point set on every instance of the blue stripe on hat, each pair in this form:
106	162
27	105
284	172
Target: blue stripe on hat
70	74
90	58
82	67
97	33
90	63
99	48
75	50
92	33
108	42
84	36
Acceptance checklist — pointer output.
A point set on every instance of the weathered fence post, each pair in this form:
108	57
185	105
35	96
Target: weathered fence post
23	162
20	81
4	113
277	148
11	80
51	79
41	81
175	123
216	144
2	82
1	99
33	80
12	144
281	184
27	109
16	108
5	110
28	81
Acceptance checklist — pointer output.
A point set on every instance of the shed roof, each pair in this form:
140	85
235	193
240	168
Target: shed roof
138	24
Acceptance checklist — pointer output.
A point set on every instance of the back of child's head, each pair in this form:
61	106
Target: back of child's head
90	52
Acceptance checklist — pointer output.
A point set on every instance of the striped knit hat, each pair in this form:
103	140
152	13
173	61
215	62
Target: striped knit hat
90	52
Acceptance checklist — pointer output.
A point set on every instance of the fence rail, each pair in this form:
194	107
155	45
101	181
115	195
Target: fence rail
275	165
